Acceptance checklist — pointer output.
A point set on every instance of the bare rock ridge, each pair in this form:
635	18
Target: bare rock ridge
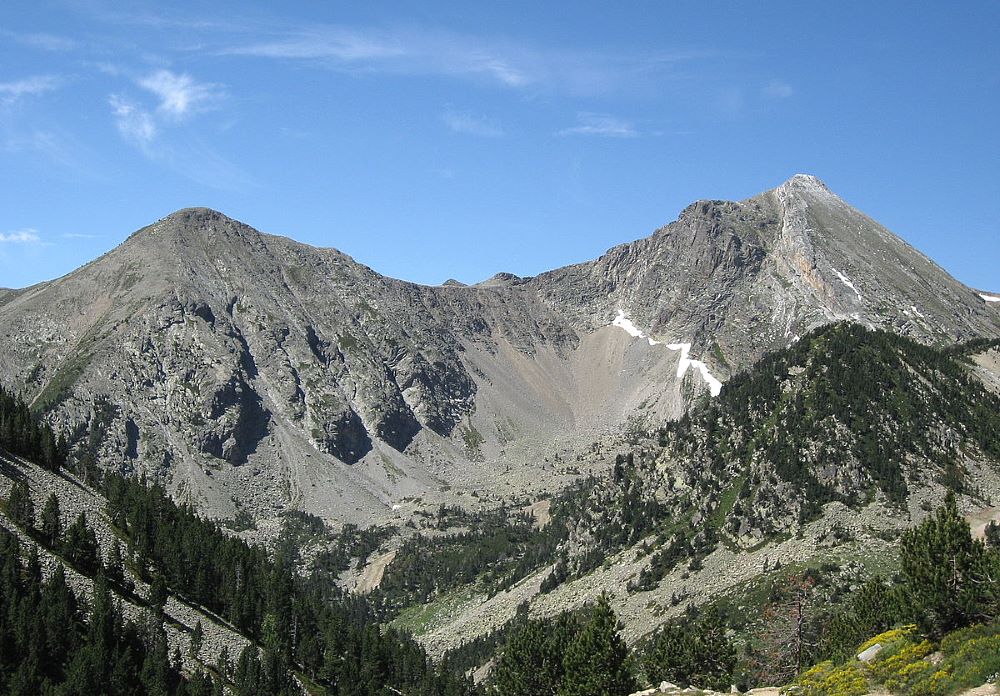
251	370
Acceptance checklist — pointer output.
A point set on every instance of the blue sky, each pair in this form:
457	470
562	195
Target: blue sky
454	140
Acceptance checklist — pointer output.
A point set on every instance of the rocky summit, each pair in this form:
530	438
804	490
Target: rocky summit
249	371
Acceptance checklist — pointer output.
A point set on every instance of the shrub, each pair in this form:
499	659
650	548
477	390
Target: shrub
826	680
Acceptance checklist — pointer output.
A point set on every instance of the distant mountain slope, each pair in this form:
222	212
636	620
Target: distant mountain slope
251	370
819	453
740	278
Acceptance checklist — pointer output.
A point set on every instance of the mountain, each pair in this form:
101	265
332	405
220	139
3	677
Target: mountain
122	591
250	371
816	457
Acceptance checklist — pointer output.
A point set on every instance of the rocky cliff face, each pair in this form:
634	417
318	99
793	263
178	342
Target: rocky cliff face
741	278
250	370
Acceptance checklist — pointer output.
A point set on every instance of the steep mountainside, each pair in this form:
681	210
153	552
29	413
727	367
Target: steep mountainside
818	455
740	278
250	370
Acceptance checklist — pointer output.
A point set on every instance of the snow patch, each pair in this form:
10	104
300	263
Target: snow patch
989	298
623	322
714	385
847	281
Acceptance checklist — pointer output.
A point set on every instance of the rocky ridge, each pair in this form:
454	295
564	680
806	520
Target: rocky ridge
251	371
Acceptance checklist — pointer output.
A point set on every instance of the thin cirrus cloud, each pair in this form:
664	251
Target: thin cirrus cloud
25	236
777	89
134	123
41	40
403	52
601	125
471	124
440	53
193	159
11	92
180	95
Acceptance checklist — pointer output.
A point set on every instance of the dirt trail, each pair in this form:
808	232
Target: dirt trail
539	511
980	518
371	576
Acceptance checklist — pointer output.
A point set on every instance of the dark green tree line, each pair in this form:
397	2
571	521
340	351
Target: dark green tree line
23	433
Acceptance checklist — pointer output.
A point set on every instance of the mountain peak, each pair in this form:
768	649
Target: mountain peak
193	225
197	213
805	182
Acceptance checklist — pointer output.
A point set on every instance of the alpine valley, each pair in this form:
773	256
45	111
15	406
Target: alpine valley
760	389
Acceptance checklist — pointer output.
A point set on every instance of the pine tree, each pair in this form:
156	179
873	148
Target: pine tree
530	664
787	636
156	670
51	525
19	507
873	608
595	662
158	593
692	652
939	562
248	677
80	546
197	638
992	535
114	567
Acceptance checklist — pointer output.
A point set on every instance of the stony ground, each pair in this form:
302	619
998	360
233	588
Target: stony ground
75	498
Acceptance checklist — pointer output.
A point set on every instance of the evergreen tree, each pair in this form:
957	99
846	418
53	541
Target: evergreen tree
695	652
51	524
48	645
595	662
19	507
156	670
873	608
80	546
531	663
114	567
248	678
158	593
197	639
992	535
23	434
940	562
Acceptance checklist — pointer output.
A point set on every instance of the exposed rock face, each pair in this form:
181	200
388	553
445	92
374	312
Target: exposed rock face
248	368
752	275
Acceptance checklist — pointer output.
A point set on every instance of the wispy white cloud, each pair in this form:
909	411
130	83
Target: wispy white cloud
11	92
179	94
402	52
777	89
43	41
192	159
48	42
50	144
134	123
80	235
471	124
420	51
339	43
602	125
24	236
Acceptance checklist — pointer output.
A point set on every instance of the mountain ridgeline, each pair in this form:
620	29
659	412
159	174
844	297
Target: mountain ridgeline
250	371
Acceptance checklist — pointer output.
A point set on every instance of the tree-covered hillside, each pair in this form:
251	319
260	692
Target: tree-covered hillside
56	641
844	415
